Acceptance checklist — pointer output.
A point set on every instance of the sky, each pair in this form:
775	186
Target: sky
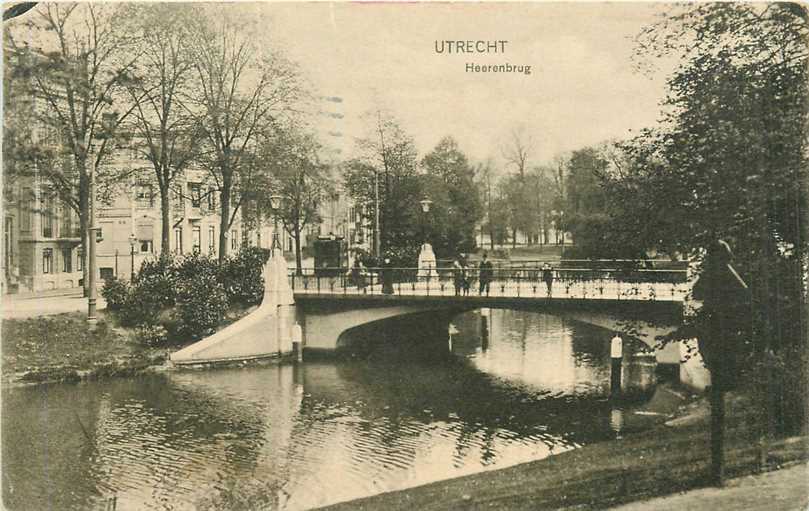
582	89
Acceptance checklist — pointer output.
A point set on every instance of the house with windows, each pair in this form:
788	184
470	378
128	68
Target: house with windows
41	243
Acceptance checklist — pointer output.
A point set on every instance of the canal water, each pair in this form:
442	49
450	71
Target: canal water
506	387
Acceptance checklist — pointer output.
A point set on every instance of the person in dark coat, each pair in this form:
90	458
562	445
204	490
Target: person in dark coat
486	272
465	276
358	274
547	276
457	276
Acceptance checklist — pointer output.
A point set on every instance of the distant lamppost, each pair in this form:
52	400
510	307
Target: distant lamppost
108	124
275	204
132	242
425	207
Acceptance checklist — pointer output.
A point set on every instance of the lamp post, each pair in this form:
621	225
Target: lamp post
275	204
132	241
425	207
108	124
377	235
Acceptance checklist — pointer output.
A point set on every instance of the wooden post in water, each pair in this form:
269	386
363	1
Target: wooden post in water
297	342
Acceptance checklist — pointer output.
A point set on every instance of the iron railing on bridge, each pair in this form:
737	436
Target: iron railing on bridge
506	281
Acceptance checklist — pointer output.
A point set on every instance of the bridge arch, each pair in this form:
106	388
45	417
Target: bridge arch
324	321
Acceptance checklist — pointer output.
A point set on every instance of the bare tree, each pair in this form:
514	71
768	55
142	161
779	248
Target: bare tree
168	134
75	62
516	152
485	173
240	91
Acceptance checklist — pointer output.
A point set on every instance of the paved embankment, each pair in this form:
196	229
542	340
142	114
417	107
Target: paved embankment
46	304
666	459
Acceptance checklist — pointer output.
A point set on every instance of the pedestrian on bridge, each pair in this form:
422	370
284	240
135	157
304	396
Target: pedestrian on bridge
457	275
547	276
358	274
465	276
486	272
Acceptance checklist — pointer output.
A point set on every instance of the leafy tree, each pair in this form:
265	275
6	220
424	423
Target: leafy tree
386	169
590	212
456	208
300	178
731	158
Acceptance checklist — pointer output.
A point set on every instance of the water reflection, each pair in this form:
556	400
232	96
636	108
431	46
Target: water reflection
511	387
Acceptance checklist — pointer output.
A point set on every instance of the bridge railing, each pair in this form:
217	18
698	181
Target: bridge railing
516	281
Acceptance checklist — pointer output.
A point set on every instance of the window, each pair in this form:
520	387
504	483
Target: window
211	199
27	213
47	217
195	190
211	239
47	260
195	239
234	240
66	228
178	240
79	259
144	198
145	247
67	260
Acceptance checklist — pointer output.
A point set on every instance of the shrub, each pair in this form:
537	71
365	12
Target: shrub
201	303
242	277
158	278
141	308
116	293
152	335
191	266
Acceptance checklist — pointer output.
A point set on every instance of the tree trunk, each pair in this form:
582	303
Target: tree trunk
165	222
224	219
296	234
514	238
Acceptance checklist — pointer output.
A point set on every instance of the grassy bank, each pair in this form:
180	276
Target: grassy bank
64	347
668	458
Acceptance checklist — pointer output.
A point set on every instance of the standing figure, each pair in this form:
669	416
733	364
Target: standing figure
387	277
358	274
457	276
465	277
486	272
547	276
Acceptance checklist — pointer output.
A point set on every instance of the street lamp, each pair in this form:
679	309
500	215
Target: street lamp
275	204
133	240
425	207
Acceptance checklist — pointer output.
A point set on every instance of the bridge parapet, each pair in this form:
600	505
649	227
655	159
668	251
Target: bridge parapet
517	282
